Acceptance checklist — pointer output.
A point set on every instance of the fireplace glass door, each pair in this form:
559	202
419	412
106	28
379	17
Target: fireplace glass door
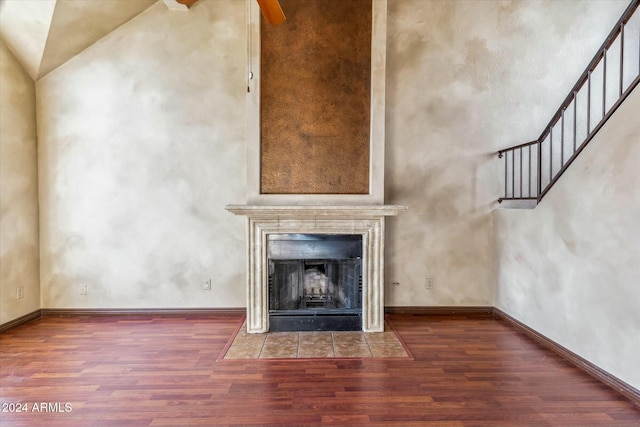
315	282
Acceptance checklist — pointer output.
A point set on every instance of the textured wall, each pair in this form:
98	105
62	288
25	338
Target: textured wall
465	78
569	268
315	99
141	146
18	190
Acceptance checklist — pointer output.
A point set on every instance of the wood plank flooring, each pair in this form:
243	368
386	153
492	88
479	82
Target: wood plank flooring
162	371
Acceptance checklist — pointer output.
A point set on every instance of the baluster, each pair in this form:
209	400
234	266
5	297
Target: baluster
589	103
575	119
550	155
539	168
520	171
562	140
513	173
505	175
621	58
529	180
604	81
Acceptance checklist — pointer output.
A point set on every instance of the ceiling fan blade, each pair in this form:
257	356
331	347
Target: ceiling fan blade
272	11
187	3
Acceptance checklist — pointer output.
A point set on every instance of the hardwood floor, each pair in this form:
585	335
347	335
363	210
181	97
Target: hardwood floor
152	371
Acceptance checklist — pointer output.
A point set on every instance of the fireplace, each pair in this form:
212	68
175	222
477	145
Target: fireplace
315	282
274	225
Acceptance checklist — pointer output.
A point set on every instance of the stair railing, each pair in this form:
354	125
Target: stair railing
532	168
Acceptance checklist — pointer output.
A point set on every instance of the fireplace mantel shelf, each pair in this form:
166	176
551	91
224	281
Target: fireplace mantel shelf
307	211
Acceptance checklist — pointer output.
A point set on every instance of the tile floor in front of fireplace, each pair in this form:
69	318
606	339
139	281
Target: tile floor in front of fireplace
314	345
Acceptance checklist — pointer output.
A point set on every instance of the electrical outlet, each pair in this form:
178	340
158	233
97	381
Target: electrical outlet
429	283
83	289
395	283
19	292
207	285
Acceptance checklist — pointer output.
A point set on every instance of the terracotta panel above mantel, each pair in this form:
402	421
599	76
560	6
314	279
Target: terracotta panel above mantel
369	164
315	99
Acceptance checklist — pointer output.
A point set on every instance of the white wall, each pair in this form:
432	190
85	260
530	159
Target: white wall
570	269
18	190
141	146
143	140
464	79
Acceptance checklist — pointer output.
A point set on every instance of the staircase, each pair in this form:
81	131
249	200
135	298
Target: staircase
532	168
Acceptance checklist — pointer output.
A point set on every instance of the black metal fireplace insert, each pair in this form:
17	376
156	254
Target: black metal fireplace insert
315	282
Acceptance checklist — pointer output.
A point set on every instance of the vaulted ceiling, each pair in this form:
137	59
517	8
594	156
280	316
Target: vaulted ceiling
44	34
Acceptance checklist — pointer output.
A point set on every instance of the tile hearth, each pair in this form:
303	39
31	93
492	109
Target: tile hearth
314	345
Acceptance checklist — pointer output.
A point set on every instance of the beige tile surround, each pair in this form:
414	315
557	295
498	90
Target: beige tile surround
314	345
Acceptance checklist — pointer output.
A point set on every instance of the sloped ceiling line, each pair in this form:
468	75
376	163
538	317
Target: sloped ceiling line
44	34
24	27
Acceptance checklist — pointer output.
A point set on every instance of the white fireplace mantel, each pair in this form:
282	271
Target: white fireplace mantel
366	220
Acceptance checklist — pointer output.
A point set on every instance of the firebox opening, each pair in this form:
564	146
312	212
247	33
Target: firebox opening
315	282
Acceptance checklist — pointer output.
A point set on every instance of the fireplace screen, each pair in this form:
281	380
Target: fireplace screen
315	282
